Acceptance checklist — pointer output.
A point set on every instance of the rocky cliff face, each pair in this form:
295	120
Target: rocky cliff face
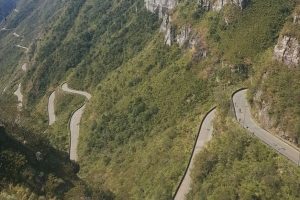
296	19
287	49
265	119
183	36
217	5
162	7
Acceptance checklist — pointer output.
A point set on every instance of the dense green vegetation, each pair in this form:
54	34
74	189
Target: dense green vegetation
50	176
138	125
292	29
236	166
148	99
280	91
31	168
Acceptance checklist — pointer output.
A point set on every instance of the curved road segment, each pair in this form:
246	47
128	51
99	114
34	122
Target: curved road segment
18	93
75	121
24	67
51	109
205	136
22	47
243	114
66	88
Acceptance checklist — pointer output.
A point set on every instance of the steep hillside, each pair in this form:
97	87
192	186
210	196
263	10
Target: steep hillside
30	168
276	91
24	28
6	7
153	69
253	171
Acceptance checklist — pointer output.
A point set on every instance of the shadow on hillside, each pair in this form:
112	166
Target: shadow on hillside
29	160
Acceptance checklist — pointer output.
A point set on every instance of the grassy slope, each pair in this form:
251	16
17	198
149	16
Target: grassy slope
281	92
32	18
252	169
115	133
147	98
21	172
138	134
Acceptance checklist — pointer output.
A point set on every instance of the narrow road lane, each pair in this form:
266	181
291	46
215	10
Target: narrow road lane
24	67
22	47
242	110
18	93
74	128
205	135
75	121
51	109
16	35
66	88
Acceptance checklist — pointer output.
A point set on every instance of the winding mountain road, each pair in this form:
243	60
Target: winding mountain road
16	35
243	114
22	47
18	93
24	67
66	88
205	135
5	29
51	109
75	121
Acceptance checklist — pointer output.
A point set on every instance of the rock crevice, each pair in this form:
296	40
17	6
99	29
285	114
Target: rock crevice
287	49
184	36
217	5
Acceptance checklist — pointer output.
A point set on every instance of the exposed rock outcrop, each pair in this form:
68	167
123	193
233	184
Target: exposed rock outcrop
263	111
161	7
266	120
296	16
167	28
184	36
296	19
217	5
287	50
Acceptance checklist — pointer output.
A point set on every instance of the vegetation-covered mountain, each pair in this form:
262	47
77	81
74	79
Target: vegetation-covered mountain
154	69
6	6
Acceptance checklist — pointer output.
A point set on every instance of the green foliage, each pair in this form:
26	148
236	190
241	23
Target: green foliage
52	177
252	169
292	30
255	30
59	133
138	129
281	92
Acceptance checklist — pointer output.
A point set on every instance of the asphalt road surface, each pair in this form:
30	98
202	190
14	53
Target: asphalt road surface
18	93
66	88
22	47
242	110
51	109
205	136
75	122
